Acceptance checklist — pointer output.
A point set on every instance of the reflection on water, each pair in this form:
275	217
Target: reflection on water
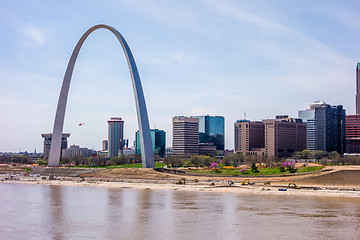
64	212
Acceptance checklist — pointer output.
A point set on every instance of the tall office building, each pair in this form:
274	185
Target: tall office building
279	137
158	138
115	136
47	143
308	117
249	137
353	133
353	121
185	135
357	89
105	145
212	130
284	136
325	127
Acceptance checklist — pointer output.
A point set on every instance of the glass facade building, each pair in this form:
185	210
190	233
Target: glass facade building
158	139
325	127
212	130
308	117
115	136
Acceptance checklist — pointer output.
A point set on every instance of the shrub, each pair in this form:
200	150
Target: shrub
243	170
290	166
254	168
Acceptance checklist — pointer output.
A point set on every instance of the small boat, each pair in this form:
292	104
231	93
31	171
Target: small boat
282	189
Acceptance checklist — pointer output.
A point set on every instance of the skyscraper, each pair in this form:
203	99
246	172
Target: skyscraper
185	135
357	89
353	133
158	142
308	117
47	143
284	136
105	145
279	137
115	136
212	130
249	136
353	121
325	127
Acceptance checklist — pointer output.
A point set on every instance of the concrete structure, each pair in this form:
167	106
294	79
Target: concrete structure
75	150
325	127
353	133
212	130
115	136
129	151
105	145
279	137
102	154
357	89
158	139
47	143
185	136
142	116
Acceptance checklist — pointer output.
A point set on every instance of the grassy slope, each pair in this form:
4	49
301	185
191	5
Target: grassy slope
134	165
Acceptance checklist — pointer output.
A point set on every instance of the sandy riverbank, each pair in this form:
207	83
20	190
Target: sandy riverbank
220	186
334	181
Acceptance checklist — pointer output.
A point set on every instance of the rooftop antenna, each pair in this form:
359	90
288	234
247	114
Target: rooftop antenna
244	115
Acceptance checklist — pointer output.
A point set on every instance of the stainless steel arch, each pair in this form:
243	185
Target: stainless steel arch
143	121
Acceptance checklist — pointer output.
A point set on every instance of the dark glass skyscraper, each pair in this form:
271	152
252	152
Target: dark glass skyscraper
115	136
212	130
325	127
158	142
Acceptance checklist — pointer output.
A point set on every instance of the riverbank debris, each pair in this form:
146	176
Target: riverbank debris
247	181
293	185
181	181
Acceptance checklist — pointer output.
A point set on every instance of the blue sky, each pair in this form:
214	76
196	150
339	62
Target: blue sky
194	57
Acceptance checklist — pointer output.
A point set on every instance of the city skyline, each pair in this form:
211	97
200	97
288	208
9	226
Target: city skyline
194	58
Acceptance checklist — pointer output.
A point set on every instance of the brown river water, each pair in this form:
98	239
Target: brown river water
71	212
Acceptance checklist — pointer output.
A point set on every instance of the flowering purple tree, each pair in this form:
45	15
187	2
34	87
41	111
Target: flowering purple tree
214	165
289	166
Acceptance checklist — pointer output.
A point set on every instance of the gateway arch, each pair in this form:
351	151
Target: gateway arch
147	154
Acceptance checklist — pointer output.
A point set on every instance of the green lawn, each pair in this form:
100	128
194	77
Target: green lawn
133	165
262	171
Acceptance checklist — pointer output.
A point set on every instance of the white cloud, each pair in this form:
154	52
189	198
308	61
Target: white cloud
33	35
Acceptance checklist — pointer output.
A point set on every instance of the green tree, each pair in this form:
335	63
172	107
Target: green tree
174	161
319	154
206	161
118	160
297	155
196	160
254	168
41	162
334	155
305	154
